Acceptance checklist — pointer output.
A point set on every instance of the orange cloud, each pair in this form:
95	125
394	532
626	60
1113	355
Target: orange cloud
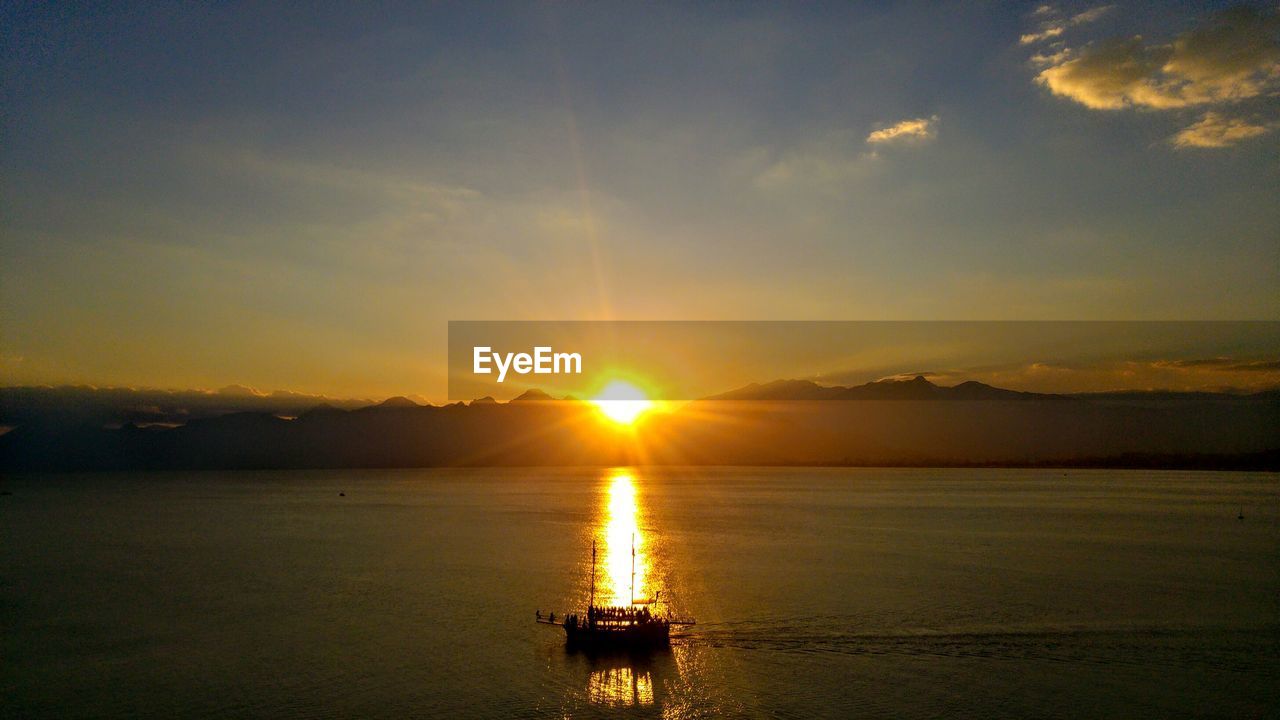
1234	56
1218	131
906	131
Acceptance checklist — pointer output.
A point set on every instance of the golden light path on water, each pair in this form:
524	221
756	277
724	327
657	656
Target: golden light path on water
622	685
662	681
621	527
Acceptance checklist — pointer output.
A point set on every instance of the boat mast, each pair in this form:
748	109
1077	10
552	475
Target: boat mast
592	603
632	599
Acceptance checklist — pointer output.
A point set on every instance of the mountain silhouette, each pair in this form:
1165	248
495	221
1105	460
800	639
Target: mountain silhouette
398	402
785	422
534	395
781	390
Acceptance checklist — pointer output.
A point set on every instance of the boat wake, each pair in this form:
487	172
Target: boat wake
1110	645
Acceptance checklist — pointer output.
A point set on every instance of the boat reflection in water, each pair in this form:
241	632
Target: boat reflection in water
632	620
627	683
608	680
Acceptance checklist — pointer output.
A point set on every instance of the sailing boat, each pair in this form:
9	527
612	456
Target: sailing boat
632	627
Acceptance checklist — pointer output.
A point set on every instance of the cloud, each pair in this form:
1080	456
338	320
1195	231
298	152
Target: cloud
1221	363
836	159
1234	56
812	168
1194	374
1091	14
1053	27
906	131
1218	374
927	374
338	177
1107	76
114	406
831	161
1214	362
1218	131
1052	31
1053	58
239	391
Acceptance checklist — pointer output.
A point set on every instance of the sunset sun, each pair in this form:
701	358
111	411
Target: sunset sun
622	402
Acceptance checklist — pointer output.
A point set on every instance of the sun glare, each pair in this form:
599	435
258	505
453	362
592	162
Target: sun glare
622	402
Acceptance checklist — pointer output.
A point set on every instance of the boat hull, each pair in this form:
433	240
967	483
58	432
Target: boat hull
635	636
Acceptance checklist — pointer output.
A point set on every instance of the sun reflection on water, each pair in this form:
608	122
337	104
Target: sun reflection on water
621	527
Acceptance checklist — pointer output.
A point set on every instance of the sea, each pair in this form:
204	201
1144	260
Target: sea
816	593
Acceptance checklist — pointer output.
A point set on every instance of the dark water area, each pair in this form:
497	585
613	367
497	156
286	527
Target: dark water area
818	593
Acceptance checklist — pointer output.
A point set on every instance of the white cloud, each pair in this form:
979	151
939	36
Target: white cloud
1218	131
914	130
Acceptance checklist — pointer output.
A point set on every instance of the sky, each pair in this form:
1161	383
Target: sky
279	197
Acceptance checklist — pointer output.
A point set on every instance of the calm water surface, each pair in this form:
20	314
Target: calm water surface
818	593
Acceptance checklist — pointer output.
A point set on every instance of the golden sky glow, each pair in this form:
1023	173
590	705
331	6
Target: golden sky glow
314	222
